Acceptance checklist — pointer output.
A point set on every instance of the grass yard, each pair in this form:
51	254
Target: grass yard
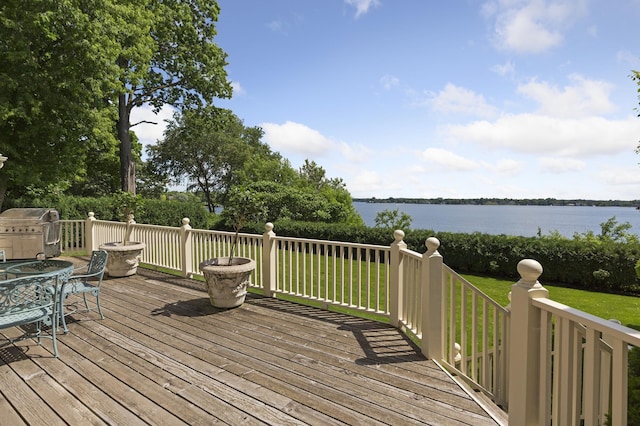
625	309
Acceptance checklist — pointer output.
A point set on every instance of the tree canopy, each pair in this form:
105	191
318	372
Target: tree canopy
205	149
56	73
170	58
211	151
71	72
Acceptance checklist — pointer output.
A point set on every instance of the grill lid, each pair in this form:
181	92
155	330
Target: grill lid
31	214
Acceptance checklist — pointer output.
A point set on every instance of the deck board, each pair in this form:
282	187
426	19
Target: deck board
164	355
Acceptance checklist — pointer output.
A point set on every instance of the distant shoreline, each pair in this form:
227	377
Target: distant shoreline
502	201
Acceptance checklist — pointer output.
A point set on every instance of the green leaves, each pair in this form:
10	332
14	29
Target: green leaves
393	219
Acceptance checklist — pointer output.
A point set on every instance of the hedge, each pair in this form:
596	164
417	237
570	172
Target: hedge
155	211
595	266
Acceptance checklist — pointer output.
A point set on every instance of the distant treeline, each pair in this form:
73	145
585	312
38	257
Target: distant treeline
503	201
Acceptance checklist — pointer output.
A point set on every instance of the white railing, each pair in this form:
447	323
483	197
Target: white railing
73	236
567	366
332	273
460	327
544	362
476	329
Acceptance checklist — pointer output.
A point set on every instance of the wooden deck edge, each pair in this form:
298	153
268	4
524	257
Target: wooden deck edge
490	407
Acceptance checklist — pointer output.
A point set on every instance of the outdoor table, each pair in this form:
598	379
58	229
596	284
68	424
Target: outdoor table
21	268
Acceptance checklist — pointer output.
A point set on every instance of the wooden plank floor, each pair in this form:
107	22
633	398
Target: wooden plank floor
163	355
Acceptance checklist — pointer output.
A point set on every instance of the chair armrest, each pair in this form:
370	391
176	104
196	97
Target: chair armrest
80	268
77	277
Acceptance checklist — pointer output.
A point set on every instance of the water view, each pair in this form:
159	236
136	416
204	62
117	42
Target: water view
504	219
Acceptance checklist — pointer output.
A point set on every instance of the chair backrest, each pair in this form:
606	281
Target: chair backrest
98	262
26	294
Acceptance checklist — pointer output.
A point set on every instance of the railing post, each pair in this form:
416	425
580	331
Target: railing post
524	345
186	249
89	232
432	346
269	261
396	279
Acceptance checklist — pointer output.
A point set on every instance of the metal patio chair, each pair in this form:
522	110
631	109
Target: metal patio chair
86	283
30	300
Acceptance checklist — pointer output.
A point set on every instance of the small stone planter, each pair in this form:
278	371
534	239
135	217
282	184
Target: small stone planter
227	284
123	258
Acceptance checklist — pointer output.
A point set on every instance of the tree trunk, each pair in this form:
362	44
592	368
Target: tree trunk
127	164
3	189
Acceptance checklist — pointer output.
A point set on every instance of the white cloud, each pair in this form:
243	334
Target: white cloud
628	58
448	160
238	90
505	167
455	99
618	176
149	133
532	26
354	154
531	133
296	138
276	26
389	81
362	6
583	97
508	68
561	165
367	182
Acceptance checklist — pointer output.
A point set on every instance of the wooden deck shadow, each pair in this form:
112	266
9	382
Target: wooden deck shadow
381	343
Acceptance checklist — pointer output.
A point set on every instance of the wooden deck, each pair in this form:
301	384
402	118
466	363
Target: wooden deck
163	355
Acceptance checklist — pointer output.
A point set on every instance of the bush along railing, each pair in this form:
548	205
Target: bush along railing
543	362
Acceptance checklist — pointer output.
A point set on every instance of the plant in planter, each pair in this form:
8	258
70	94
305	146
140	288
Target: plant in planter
124	256
229	277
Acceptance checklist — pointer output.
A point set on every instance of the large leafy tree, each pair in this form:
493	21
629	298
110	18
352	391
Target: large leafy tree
56	71
171	58
205	149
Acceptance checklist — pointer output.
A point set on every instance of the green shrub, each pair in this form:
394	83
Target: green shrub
156	212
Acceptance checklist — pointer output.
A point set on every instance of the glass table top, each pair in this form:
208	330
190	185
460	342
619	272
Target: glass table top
19	268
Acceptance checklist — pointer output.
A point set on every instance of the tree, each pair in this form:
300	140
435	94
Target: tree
205	149
393	219
635	76
168	57
56	71
286	202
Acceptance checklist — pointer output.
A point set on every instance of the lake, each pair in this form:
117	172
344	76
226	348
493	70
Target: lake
509	220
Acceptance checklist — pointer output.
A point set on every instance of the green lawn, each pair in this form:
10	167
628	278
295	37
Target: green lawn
625	309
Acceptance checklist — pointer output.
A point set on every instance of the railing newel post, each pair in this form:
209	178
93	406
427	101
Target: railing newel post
89	232
269	261
524	376
186	248
396	278
432	332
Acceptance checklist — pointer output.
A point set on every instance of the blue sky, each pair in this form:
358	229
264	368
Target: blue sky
455	99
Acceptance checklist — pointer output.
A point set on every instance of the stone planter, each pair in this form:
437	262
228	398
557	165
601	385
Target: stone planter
123	259
227	284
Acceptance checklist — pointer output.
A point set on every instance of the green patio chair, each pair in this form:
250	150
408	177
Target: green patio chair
30	300
86	283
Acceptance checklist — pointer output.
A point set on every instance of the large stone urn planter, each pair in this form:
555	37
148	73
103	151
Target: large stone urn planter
227	284
124	258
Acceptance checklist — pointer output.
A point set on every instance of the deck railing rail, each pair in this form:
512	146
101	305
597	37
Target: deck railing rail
543	362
